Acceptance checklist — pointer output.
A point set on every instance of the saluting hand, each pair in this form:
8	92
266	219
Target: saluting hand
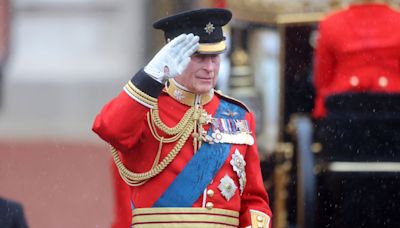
173	58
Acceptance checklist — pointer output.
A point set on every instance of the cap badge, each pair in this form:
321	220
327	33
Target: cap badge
227	187
209	28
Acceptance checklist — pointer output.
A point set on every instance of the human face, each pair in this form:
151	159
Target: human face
201	74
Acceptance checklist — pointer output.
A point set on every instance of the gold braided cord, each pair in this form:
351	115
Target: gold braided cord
155	134
127	180
140	94
133	93
195	139
181	132
177	128
135	179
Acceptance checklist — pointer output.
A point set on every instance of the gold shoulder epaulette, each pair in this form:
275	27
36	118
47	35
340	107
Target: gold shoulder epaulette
234	100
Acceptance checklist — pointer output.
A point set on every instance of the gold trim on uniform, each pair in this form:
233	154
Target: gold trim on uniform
185	97
140	95
259	219
184	217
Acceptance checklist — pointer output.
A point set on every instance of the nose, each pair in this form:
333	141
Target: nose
209	64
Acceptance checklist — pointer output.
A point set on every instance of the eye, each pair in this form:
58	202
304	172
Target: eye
197	57
214	58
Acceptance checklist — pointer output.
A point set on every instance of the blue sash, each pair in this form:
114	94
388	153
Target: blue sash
201	169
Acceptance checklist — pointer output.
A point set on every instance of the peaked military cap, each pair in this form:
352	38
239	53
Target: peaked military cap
205	23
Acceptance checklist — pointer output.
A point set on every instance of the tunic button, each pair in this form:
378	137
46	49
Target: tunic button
354	81
383	81
260	225
259	218
210	193
209	205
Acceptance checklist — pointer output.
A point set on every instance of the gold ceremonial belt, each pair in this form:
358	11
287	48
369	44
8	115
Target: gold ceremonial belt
184	217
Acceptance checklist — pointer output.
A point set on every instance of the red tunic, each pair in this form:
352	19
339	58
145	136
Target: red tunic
123	123
121	206
358	50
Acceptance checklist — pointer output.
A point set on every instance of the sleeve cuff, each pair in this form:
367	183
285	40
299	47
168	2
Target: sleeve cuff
259	219
144	89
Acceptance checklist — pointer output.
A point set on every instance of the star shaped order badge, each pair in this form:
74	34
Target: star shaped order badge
209	28
238	163
227	187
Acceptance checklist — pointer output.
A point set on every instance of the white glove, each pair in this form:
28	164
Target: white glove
173	58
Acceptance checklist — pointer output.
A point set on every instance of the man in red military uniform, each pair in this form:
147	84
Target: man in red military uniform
358	50
187	151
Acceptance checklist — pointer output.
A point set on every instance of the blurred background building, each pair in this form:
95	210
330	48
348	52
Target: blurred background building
67	58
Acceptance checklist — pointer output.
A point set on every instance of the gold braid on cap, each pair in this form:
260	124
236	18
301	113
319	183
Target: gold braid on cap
181	132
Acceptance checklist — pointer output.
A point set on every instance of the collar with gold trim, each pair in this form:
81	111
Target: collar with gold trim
182	95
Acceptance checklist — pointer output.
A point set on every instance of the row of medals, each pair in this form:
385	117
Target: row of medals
227	131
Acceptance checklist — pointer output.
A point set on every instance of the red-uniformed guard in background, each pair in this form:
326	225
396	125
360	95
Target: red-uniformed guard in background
188	152
358	50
